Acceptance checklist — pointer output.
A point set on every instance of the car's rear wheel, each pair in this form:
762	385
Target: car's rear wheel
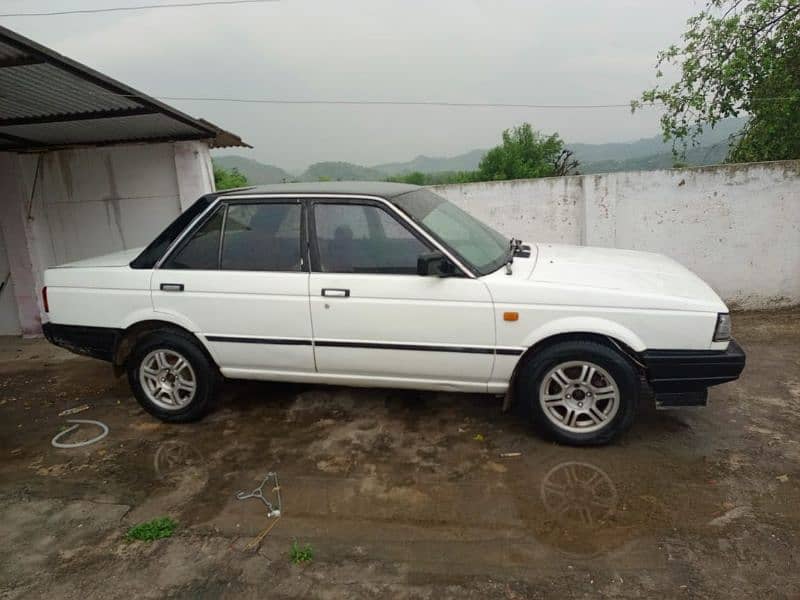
171	377
579	392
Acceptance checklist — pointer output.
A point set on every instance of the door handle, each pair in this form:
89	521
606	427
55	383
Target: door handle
336	292
171	287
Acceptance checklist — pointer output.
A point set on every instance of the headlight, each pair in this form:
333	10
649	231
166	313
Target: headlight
722	332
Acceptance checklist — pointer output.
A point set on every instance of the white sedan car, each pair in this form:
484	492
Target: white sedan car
389	285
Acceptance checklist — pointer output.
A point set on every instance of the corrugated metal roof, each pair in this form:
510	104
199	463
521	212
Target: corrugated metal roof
48	100
112	129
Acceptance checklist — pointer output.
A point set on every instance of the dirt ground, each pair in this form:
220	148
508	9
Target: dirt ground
400	494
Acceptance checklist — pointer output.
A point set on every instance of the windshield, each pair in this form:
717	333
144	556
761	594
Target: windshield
473	242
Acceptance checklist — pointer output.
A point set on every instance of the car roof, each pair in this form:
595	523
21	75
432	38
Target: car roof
382	189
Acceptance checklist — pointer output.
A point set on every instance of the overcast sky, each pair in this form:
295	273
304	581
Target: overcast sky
533	52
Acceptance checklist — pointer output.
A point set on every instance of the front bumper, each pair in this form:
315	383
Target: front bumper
681	377
97	342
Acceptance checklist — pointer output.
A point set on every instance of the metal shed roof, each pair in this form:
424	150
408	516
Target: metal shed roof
50	101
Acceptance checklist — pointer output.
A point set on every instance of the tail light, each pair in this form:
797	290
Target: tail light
44	299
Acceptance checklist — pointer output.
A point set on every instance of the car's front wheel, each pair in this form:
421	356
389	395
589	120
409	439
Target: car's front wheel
171	377
580	392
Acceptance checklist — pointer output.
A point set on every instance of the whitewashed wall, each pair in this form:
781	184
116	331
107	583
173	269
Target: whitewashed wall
9	315
737	226
74	204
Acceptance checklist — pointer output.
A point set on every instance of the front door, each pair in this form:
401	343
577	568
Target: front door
373	317
240	281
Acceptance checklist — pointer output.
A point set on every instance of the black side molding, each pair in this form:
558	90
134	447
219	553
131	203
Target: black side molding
97	342
675	371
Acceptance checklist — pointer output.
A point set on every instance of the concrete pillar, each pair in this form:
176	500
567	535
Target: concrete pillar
16	228
600	207
194	171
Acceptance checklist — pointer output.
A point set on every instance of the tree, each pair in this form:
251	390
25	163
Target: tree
738	57
525	154
225	179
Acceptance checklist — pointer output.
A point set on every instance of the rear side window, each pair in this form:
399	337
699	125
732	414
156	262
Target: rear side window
202	250
262	237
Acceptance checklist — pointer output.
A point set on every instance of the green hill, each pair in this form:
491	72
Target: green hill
257	173
341	171
430	164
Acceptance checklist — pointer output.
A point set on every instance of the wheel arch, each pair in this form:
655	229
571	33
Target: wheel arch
623	347
127	340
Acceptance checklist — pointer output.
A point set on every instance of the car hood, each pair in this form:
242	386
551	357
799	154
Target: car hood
656	277
115	259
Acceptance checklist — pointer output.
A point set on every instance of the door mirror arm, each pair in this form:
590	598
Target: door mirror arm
436	264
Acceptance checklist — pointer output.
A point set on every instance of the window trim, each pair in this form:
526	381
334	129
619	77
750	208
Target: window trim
307	198
316	263
222	203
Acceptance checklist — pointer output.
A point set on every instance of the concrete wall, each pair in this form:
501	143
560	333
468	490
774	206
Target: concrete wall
62	206
737	226
9	315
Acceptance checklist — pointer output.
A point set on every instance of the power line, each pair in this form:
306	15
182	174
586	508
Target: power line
86	11
369	102
394	103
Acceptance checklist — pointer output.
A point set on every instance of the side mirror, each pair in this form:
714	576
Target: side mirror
435	263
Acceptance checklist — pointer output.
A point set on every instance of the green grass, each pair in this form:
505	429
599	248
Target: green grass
300	555
152	530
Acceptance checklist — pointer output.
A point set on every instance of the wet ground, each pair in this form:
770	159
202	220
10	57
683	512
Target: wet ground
400	494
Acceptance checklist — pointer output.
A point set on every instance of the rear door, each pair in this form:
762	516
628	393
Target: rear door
240	281
375	318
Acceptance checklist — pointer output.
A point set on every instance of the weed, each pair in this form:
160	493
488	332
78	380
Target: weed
152	530
300	555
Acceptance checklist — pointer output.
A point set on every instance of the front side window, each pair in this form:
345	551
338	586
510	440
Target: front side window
476	243
359	238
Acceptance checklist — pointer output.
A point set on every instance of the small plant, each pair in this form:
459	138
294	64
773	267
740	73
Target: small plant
152	530
300	555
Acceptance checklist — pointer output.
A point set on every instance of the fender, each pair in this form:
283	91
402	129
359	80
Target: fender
579	324
149	314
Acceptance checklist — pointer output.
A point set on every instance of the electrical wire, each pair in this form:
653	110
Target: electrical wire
86	11
423	103
358	102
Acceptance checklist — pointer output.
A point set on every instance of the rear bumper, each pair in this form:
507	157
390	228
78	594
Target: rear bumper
97	342
690	372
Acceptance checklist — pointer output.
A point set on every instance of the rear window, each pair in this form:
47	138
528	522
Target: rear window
156	249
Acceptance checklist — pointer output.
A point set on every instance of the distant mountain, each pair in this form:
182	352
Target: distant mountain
643	154
257	173
652	146
341	171
431	164
695	157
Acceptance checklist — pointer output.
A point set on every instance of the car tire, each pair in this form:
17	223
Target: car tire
172	377
579	392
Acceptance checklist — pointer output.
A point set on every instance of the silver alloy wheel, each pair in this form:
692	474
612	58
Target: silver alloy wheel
579	396
168	379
